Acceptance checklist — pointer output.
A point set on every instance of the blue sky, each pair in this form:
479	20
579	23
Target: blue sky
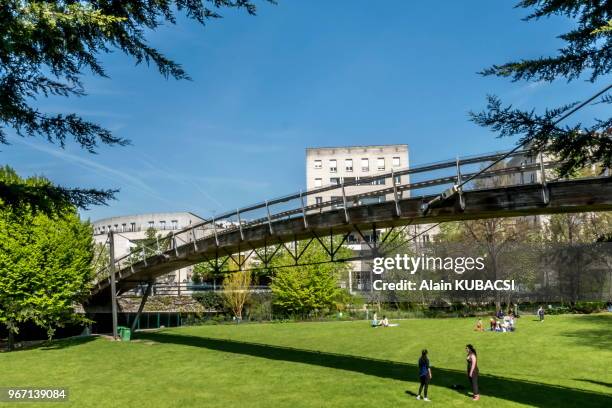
300	74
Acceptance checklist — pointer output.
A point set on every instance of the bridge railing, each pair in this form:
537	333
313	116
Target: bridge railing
521	167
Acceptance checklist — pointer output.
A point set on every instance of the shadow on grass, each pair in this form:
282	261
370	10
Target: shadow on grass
50	344
520	391
65	343
605	384
600	338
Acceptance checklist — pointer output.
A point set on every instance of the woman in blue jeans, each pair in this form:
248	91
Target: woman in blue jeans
424	375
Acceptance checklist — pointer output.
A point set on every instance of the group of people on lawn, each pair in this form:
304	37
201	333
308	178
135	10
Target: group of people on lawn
381	323
499	323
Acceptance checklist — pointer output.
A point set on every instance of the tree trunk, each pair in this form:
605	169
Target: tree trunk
11	337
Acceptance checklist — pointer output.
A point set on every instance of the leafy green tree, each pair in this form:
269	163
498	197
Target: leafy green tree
587	50
312	286
45	266
46	48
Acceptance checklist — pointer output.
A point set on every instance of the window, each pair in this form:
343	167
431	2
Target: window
151	224
333	167
174	224
318	200
378	182
318	182
397	179
123	227
318	164
396	162
162	225
348	164
365	165
380	163
334	180
348	180
133	225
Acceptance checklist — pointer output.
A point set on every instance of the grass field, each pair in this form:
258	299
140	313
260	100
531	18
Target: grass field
564	362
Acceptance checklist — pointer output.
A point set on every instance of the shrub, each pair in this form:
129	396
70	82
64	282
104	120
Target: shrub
589	307
210	300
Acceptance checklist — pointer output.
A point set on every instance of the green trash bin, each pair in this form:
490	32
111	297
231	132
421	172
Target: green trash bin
124	333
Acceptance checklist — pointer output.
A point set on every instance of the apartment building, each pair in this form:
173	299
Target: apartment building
326	166
329	166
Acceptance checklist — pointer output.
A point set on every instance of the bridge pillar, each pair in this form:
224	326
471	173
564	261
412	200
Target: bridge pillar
113	286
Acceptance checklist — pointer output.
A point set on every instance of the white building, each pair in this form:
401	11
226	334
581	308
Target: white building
130	228
327	166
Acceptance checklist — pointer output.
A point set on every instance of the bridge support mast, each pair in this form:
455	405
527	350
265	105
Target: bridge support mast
113	286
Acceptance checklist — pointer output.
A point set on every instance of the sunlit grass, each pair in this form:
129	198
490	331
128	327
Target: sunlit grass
565	361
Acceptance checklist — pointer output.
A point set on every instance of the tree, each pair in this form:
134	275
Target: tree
45	266
152	243
48	45
588	48
236	291
311	286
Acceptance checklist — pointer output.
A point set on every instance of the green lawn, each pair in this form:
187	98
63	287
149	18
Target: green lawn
564	362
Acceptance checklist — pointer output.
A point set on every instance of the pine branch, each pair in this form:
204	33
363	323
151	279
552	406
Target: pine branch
575	147
50	199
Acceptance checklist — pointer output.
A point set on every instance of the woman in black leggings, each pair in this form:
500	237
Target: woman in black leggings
424	375
472	370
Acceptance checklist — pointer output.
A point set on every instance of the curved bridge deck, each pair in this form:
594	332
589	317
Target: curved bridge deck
569	196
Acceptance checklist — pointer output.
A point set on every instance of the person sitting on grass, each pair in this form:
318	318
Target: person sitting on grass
498	326
492	324
384	322
479	326
424	375
375	322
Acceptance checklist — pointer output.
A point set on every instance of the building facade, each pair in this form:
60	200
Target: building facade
328	166
130	228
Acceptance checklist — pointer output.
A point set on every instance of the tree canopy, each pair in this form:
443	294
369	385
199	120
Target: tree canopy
587	51
47	47
311	286
45	265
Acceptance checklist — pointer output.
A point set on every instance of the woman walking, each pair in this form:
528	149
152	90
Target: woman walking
424	375
472	370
